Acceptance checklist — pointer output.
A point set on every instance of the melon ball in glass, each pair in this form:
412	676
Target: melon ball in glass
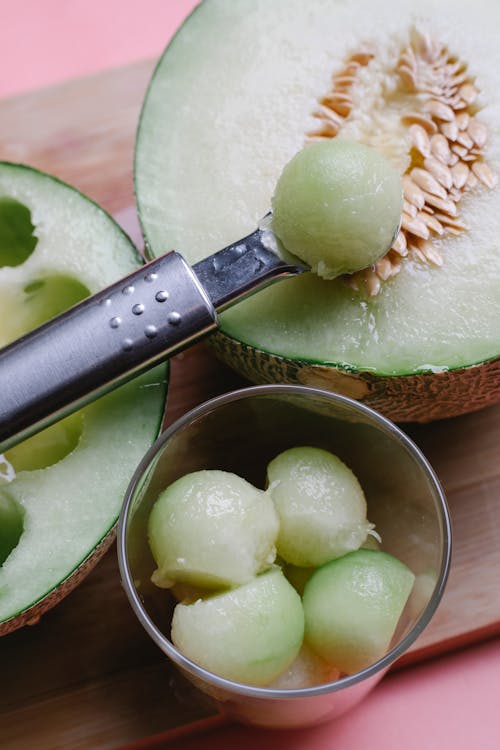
211	529
352	607
320	503
250	634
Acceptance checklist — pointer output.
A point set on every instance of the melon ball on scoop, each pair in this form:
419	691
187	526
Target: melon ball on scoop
337	206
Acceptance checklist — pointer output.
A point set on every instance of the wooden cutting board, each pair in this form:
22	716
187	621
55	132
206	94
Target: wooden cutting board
86	677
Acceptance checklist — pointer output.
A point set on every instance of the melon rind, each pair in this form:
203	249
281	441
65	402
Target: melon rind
41	569
212	141
31	615
423	397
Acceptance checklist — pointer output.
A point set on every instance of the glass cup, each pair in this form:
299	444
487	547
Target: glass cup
241	432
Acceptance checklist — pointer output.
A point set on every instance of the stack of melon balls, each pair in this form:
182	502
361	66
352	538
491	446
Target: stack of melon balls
287	587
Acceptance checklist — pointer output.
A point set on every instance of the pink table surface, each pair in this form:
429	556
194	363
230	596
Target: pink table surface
448	704
451	702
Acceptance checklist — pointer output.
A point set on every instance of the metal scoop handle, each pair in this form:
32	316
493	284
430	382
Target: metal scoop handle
99	343
127	328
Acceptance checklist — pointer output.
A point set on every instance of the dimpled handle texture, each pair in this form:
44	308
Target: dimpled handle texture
99	344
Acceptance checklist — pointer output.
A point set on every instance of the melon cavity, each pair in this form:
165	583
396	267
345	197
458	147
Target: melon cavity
48	446
17	240
11	524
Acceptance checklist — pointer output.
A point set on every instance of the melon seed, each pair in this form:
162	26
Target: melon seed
444	144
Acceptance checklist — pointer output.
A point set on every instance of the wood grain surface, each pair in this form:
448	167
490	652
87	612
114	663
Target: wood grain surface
86	676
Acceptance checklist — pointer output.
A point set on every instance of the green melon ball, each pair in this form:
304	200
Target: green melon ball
249	634
352	606
211	529
320	504
337	206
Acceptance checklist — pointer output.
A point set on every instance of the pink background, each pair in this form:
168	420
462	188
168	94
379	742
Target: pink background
451	702
47	41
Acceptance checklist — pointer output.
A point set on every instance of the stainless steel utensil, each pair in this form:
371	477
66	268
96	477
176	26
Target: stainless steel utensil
127	328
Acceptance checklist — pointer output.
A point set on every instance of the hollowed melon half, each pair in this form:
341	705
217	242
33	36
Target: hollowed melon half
61	490
242	87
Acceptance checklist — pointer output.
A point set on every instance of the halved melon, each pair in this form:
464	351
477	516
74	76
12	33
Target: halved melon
61	490
243	87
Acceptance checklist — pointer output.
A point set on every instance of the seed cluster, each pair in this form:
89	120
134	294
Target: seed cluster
446	142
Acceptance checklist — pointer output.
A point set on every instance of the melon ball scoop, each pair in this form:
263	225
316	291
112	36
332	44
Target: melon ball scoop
337	206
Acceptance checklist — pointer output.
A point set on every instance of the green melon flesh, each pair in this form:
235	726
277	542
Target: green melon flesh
320	504
249	634
337	206
56	247
230	103
211	529
352	606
